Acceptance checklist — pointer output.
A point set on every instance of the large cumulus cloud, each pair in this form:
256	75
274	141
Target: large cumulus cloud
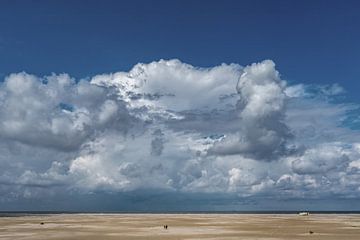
55	111
170	126
261	106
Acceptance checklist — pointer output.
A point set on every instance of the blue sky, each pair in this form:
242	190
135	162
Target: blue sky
253	101
310	41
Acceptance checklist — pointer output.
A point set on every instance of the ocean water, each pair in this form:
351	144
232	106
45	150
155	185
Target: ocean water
30	213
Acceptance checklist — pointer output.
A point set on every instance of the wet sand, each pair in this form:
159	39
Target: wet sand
181	226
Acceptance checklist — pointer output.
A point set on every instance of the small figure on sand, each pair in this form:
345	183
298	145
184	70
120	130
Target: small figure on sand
165	226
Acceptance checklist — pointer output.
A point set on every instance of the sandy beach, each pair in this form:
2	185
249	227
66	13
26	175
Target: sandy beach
181	226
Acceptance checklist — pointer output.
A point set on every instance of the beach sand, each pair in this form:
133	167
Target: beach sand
181	226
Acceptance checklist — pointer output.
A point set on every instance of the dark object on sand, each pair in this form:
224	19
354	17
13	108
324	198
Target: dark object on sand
42	223
165	226
311	232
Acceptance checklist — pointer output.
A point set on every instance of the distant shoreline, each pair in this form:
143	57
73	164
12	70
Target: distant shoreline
30	213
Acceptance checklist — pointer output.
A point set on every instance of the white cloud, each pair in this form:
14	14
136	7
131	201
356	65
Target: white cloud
321	159
171	126
262	132
175	86
54	111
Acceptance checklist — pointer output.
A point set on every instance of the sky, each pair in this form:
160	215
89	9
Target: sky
179	105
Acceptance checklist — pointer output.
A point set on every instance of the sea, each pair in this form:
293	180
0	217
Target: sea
31	213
